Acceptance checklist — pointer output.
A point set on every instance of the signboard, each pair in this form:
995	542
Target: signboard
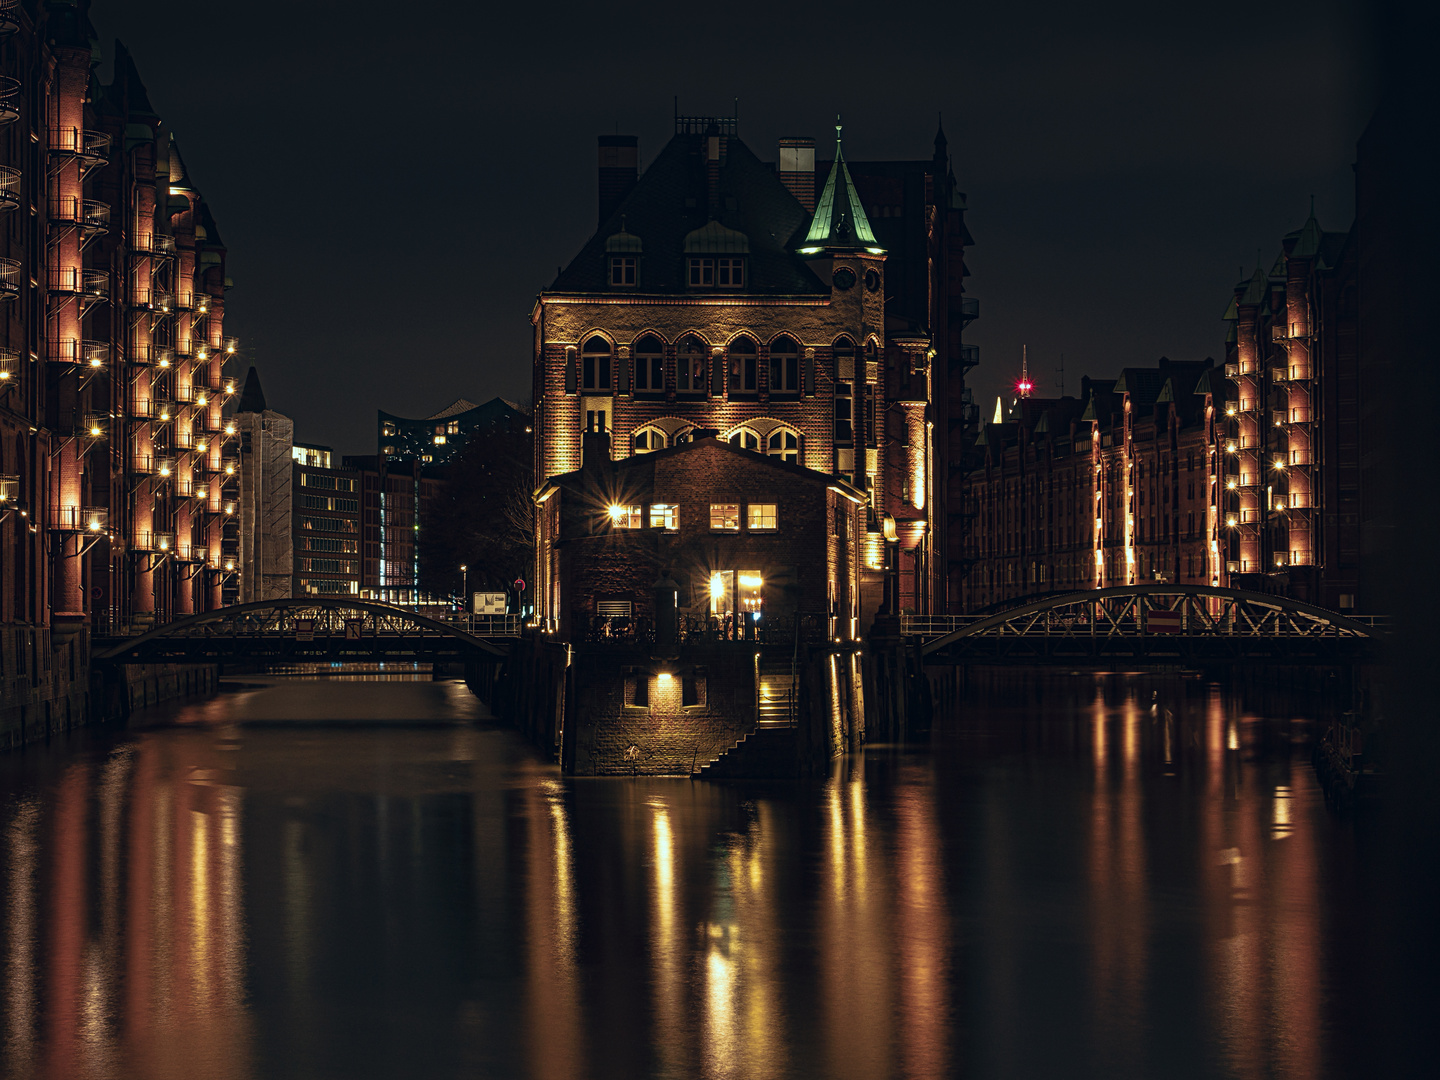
304	629
488	603
353	628
519	584
1163	622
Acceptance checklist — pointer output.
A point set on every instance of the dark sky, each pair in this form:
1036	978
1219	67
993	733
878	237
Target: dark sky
396	182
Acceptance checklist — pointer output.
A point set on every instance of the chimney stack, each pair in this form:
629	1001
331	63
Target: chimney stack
797	169
619	168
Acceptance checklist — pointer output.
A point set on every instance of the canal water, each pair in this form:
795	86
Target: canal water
1080	876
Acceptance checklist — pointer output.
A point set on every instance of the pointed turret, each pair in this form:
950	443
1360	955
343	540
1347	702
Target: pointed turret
252	398
840	223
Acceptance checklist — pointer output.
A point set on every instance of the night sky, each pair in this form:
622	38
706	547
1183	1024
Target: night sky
395	183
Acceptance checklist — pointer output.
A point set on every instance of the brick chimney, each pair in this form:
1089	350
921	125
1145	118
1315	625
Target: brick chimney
619	168
797	168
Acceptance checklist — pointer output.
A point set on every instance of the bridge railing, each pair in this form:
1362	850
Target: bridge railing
488	625
932	626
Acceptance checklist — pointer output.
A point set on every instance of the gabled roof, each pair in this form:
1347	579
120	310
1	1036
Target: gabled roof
458	406
1142	384
840	223
641	463
671	200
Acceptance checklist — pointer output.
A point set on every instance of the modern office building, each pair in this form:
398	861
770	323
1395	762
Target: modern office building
434	440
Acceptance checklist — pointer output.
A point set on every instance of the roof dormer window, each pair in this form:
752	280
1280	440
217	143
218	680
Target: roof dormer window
622	270
715	257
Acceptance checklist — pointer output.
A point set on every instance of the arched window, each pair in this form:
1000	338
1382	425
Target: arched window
785	445
744	366
784	366
745	439
595	365
649	365
690	366
648	439
681	437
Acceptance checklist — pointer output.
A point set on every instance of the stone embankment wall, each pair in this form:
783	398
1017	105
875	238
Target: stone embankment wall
615	710
47	685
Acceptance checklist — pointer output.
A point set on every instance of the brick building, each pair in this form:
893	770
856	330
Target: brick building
112	353
751	541
392	497
719	292
1293	427
1113	488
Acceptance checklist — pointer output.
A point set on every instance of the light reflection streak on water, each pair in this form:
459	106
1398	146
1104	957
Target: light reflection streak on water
555	1025
923	938
668	998
21	984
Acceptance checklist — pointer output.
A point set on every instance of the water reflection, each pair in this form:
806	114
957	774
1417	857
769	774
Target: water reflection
1083	877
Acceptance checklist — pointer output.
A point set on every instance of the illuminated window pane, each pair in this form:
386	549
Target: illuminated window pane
725	516
762	516
664	516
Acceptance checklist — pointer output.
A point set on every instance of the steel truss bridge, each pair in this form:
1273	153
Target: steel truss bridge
313	630
1149	624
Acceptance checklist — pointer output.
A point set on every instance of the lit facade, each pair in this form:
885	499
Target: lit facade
1293	433
115	343
326	525
722	293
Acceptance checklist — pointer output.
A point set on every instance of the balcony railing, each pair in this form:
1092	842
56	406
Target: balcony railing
93	146
94	354
95	215
969	308
145	296
153	541
197	394
154	244
9	367
152	409
9	16
969	355
9	96
9	278
79	518
159	355
142	463
9	188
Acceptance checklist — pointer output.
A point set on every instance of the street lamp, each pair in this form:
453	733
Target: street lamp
465	587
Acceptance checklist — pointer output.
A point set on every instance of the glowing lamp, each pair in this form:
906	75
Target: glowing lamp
200	354
751	581
1024	386
1230	521
202	399
96	431
1229	410
229	429
229	470
1231	448
665	676
617	513
1231	483
230	348
95	525
4	374
229	564
717	587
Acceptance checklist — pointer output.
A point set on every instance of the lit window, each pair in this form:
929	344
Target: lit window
725	516
762	516
649	365
627	517
663	516
439	440
622	270
784	366
388	429
452	428
745	439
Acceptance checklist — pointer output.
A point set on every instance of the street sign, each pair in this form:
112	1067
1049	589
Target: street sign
488	603
519	584
304	629
1163	622
353	628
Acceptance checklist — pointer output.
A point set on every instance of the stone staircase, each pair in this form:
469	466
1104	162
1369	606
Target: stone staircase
777	694
767	753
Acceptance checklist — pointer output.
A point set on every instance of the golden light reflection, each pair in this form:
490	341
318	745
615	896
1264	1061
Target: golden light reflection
555	1030
21	975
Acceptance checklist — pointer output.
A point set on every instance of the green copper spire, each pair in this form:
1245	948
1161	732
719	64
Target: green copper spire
840	222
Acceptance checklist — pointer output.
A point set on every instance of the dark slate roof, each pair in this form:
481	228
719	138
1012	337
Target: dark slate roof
1142	384
669	202
1258	288
642	463
252	398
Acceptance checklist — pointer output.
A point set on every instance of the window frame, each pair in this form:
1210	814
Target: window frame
668	513
624	271
756	511
787	363
725	512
